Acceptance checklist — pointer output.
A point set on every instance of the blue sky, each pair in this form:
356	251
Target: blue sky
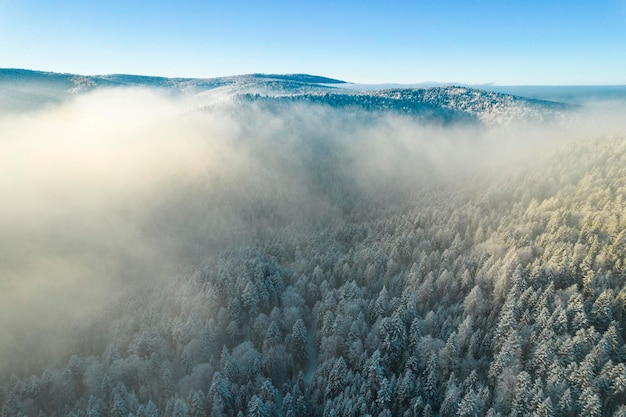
502	42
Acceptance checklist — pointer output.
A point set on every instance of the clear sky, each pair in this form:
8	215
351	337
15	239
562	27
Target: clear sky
482	41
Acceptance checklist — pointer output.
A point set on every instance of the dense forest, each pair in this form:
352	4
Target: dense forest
492	289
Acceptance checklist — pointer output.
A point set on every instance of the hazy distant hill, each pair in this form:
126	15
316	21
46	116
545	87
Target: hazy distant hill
576	94
26	90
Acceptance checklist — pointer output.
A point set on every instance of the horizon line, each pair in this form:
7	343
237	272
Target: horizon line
336	80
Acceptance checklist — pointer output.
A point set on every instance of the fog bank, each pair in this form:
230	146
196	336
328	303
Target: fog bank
119	190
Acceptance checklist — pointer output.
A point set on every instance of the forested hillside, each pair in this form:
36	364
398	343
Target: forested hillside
25	90
489	289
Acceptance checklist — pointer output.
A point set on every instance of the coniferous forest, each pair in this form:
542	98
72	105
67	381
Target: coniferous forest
352	264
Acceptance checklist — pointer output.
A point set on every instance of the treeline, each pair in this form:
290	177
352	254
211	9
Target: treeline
498	294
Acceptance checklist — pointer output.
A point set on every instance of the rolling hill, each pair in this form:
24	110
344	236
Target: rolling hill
27	90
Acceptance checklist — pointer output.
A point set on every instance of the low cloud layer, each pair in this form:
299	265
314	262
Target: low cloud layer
120	190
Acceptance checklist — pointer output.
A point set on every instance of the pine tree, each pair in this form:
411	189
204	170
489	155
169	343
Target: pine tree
393	338
299	343
469	405
256	408
406	388
336	379
95	407
119	408
167	384
566	403
229	365
589	403
523	396
151	409
544	409
383	396
180	408
196	404
450	404
431	390
219	395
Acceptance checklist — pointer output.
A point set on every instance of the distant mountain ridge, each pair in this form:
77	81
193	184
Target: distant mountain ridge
25	89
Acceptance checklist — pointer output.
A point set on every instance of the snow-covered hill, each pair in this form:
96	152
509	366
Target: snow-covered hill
25	89
488	107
